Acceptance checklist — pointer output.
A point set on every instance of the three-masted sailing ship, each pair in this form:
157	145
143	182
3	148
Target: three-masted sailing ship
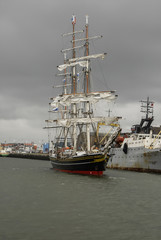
72	150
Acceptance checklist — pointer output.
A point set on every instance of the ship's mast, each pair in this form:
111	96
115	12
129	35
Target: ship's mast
87	86
74	68
87	54
74	107
65	92
147	107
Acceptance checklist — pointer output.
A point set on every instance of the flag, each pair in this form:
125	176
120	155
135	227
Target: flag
78	77
73	19
55	109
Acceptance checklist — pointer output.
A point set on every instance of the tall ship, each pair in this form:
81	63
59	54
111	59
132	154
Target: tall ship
141	149
75	146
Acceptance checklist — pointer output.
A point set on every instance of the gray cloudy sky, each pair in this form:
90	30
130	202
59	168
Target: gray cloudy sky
30	44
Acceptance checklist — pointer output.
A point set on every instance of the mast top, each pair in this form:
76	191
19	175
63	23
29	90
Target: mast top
73	19
87	17
147	107
145	123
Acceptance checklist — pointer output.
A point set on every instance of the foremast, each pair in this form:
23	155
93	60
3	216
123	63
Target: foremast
74	88
86	87
65	92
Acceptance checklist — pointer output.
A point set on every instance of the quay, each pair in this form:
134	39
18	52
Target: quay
37	156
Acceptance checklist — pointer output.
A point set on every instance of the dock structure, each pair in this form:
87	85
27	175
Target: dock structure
36	156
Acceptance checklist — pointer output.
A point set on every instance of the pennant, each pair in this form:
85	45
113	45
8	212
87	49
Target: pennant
73	19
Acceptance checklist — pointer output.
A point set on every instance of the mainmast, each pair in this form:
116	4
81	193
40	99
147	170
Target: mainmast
65	77
65	92
74	107
147	107
87	54
145	123
86	90
74	68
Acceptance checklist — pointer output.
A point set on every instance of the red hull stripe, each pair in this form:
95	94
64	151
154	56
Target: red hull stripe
95	173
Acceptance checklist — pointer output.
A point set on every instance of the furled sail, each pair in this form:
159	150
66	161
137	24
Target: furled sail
72	64
93	97
78	61
69	122
100	55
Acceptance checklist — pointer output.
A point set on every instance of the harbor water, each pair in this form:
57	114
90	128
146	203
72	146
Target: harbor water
37	203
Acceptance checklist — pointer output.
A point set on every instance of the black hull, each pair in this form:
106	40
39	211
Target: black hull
93	164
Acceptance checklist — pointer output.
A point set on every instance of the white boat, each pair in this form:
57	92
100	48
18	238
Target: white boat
141	150
3	153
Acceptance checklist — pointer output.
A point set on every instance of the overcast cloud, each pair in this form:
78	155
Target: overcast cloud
30	44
